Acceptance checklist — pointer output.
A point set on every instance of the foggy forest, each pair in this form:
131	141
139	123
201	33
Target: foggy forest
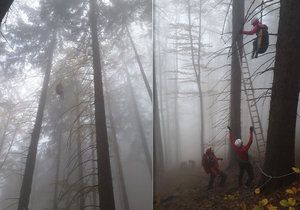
206	80
140	105
67	66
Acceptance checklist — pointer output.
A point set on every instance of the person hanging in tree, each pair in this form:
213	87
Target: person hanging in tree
211	167
261	42
241	152
60	90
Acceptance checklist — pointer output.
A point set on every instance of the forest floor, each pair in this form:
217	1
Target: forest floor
187	190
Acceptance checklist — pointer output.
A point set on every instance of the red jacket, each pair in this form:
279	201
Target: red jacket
255	28
241	152
210	163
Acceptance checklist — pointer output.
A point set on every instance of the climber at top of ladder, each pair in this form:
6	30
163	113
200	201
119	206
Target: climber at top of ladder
261	42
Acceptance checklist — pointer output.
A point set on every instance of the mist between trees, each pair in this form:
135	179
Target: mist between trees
76	79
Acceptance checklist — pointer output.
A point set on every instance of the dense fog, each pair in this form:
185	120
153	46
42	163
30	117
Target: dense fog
55	36
180	107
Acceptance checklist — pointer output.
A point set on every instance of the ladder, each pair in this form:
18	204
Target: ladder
252	106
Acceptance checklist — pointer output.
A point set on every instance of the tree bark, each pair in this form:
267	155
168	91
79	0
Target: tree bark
4	7
137	57
116	150
236	78
58	139
176	113
79	153
139	123
284	99
105	186
94	166
32	150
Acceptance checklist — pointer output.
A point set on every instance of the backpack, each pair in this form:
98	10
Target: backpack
263	39
209	162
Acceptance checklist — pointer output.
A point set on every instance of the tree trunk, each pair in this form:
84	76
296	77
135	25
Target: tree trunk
116	150
4	7
236	79
159	68
139	123
197	70
284	100
158	158
32	150
94	181
58	139
79	154
105	186
137	57
176	113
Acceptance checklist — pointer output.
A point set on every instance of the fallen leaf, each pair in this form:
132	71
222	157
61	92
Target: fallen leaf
290	191
284	203
291	202
257	191
264	202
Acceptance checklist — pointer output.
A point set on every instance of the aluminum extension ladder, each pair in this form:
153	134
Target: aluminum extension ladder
252	106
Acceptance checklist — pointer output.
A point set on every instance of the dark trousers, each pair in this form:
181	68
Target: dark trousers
255	48
222	176
246	166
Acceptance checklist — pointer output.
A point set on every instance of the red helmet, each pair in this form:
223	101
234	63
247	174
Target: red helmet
254	21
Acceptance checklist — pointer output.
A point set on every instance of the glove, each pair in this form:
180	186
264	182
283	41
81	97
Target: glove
229	128
251	129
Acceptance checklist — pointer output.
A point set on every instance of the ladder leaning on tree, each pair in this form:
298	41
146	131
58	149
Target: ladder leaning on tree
252	106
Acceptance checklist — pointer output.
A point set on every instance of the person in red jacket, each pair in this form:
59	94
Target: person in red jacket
241	152
211	166
261	42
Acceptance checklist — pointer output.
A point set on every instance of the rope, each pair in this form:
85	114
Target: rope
271	177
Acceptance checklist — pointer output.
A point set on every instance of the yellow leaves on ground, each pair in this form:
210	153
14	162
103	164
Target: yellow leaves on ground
257	191
292	190
290	202
264	202
296	170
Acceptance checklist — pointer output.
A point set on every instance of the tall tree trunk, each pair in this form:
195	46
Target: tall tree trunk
158	158
116	149
94	166
197	70
58	139
176	113
139	123
137	57
105	185
159	68
79	153
32	150
236	80
285	95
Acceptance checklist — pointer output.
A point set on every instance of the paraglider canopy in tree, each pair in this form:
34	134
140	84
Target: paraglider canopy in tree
4	7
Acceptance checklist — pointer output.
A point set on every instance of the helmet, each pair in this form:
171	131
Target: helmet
209	151
254	21
238	143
